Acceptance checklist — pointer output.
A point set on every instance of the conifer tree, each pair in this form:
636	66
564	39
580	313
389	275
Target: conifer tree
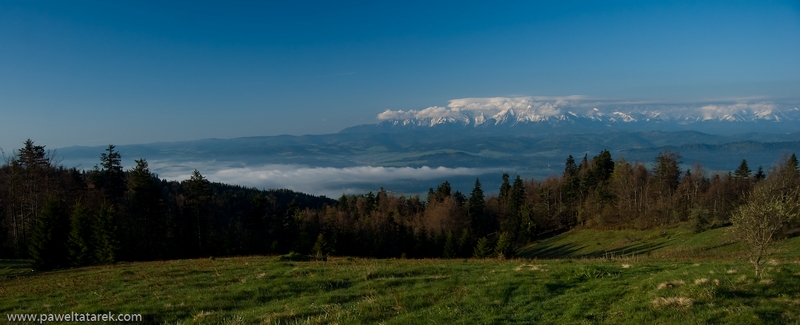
145	229
476	208
112	176
504	248
570	168
505	188
516	197
483	249
759	175
198	198
603	166
320	248
107	246
81	237
450	244
465	243
48	246
743	172
666	171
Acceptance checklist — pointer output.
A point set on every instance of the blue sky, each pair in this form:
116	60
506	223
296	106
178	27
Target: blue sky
94	73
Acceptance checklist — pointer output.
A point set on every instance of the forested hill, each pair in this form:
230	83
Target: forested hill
61	217
64	216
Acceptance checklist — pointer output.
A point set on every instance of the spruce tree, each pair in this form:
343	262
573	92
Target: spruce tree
792	162
483	249
450	249
505	188
516	197
107	245
465	243
504	248
112	176
743	172
476	207
320	248
48	245
198	199
759	175
145	227
81	237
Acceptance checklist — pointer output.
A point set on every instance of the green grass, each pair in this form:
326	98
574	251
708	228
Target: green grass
632	287
250	290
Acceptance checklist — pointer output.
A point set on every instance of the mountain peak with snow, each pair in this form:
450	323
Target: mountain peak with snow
482	112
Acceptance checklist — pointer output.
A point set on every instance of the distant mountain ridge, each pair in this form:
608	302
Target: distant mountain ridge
577	114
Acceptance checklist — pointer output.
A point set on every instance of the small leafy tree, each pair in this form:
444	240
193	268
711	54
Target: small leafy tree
758	222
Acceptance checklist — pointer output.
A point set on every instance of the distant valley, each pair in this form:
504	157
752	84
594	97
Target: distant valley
450	151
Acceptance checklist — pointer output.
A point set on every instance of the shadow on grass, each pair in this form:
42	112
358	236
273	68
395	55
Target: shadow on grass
14	268
635	249
546	251
570	251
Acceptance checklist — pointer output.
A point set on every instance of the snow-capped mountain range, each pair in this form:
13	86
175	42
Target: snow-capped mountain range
576	109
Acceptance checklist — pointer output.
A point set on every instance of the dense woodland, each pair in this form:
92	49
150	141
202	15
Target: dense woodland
63	217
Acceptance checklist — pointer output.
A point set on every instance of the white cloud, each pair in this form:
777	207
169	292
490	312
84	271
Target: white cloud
329	181
716	111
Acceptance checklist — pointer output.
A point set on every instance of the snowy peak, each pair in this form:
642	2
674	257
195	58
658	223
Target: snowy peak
573	109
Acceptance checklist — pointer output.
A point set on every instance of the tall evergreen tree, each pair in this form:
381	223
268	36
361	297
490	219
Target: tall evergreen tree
759	175
198	199
603	166
516	197
743	172
792	162
106	236
476	208
145	226
112	176
667	172
30	186
81	237
570	168
505	188
48	246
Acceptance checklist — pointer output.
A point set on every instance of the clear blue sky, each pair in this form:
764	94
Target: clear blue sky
94	73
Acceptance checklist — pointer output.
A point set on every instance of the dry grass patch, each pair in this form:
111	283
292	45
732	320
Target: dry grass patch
670	284
531	267
700	281
201	314
673	301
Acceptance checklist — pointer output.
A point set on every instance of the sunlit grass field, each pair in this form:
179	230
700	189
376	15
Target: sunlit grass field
623	289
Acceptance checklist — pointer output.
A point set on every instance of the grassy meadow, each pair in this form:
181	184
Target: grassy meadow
666	276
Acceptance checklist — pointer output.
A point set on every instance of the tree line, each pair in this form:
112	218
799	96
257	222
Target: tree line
61	217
